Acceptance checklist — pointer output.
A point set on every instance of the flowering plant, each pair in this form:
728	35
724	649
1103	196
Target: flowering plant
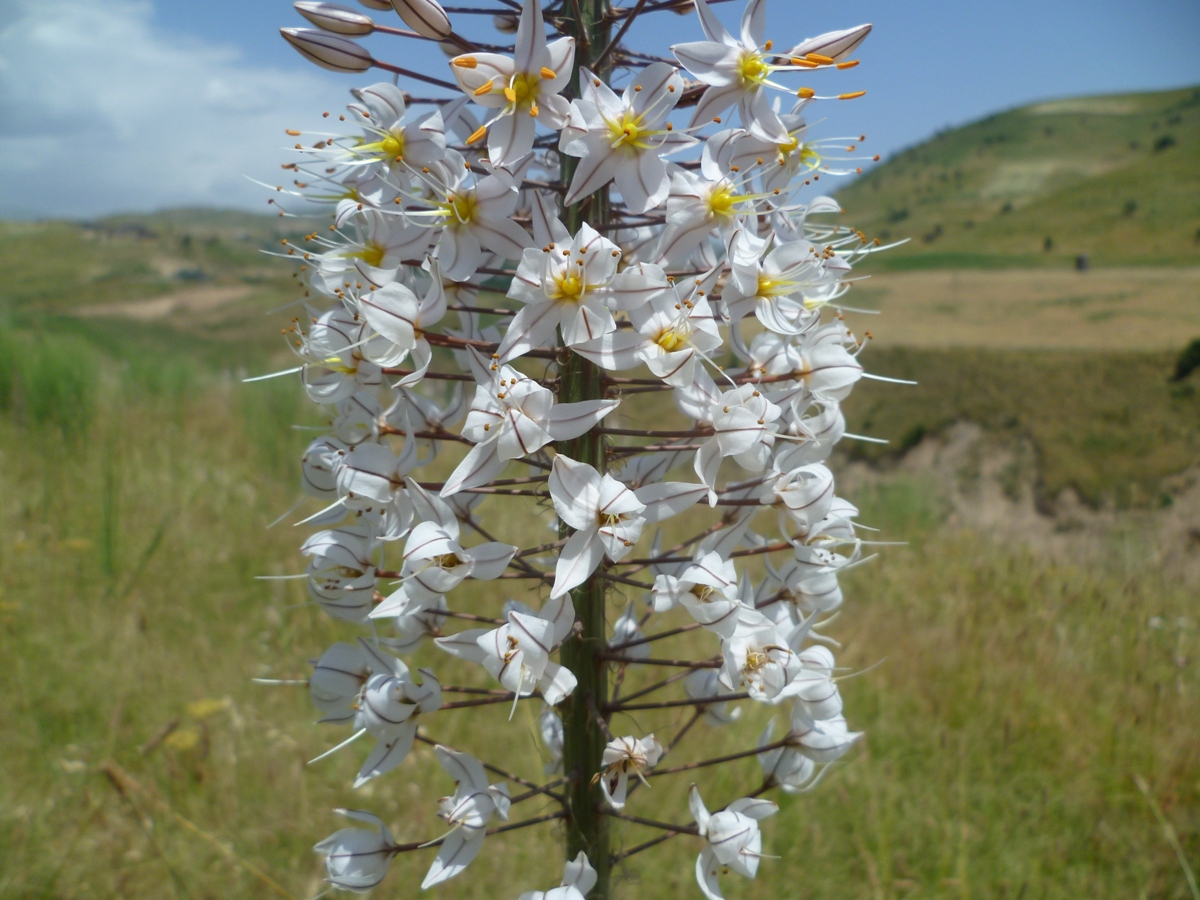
561	170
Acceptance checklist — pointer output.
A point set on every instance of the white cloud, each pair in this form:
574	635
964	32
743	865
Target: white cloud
99	112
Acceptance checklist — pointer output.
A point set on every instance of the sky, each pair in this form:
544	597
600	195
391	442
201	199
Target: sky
135	105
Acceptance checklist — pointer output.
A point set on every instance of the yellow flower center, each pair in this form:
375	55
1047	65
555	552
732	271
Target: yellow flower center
393	145
446	561
459	207
671	340
751	68
570	287
755	660
702	592
628	131
371	254
523	90
722	200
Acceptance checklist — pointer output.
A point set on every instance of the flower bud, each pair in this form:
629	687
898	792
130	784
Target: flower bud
837	45
334	18
376	4
425	17
329	51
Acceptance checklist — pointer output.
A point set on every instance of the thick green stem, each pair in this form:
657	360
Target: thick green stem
583	738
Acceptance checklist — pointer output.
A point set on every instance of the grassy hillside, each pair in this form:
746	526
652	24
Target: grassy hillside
1115	177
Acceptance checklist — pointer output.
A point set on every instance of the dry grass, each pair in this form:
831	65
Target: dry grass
1101	309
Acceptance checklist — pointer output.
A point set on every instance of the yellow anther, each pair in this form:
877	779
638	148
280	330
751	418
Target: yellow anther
819	58
510	95
548	73
848	64
477	134
464	62
851	96
485	88
806	93
533	110
803	63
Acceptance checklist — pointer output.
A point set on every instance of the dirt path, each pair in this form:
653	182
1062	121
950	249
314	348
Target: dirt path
191	300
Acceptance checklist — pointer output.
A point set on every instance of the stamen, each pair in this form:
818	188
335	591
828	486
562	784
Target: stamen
819	58
852	96
485	88
477	134
848	64
548	73
806	93
464	62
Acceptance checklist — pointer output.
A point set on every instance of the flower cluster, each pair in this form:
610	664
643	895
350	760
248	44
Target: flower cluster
465	343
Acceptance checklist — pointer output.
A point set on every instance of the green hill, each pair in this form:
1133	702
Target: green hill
1114	177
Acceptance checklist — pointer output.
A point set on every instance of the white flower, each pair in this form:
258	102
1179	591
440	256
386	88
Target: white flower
774	285
672	332
341	575
357	859
334	365
732	839
467	812
390	149
757	659
626	629
707	589
621	757
743	421
337	680
512	416
400	321
434	561
475	214
372	256
578	878
624	138
606	515
793	766
517	654
388	709
562	287
524	89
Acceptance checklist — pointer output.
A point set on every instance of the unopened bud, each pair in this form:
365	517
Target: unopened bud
376	4
505	24
425	17
334	18
329	51
833	45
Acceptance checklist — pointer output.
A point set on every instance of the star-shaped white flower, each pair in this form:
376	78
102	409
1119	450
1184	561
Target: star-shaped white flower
624	138
524	89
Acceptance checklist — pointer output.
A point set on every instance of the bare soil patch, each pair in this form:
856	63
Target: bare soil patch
190	301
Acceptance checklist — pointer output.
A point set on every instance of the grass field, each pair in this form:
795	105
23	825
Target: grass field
1015	701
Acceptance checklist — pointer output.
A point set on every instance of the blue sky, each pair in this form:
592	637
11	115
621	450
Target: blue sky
111	105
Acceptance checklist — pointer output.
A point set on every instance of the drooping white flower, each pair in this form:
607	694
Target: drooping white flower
512	416
400	321
434	560
732	839
341	574
743	421
467	812
621	757
606	515
707	589
369	256
624	138
357	859
578	879
793	767
389	708
523	89
517	654
550	728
